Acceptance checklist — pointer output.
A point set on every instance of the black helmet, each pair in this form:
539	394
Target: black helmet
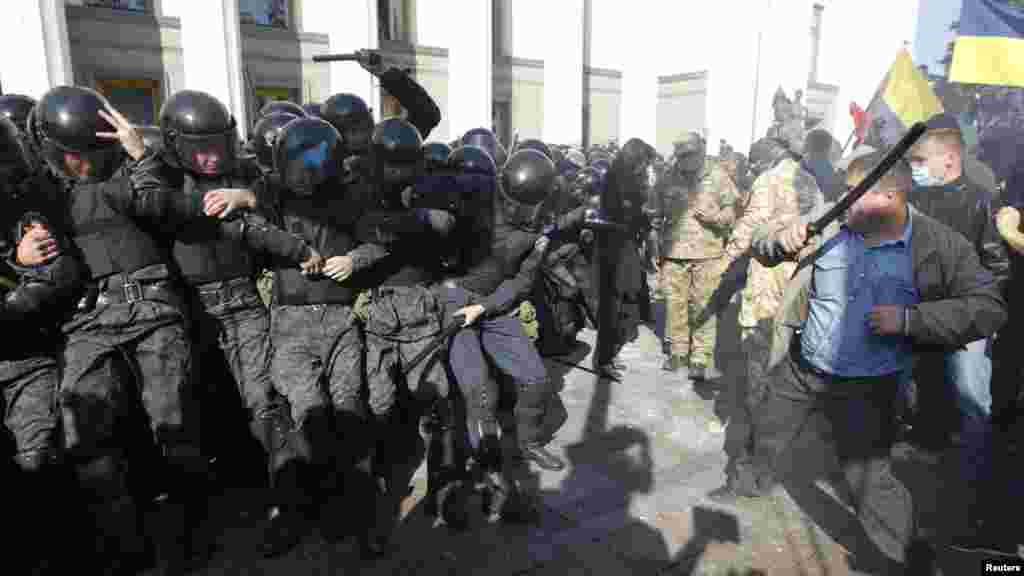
312	109
557	156
195	124
14	160
435	154
15	108
151	136
64	125
527	180
602	166
278	106
350	115
485	139
265	135
306	154
472	160
397	151
586	184
534	144
596	153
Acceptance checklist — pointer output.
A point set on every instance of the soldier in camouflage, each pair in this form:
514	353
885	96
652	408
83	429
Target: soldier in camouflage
783	190
700	214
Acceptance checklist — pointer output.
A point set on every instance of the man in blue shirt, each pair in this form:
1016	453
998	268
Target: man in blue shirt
888	284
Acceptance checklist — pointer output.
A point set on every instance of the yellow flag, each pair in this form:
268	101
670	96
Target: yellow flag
907	93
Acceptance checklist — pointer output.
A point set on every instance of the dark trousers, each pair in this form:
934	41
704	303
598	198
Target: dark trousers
29	403
501	341
859	414
152	337
317	360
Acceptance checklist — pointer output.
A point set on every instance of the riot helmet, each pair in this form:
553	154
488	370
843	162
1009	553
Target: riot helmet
351	117
597	153
435	156
16	108
151	136
602	167
397	150
557	156
312	109
472	160
64	125
279	106
265	136
485	139
306	154
576	158
534	144
199	133
527	181
14	160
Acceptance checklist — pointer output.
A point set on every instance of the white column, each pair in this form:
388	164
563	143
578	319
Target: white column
34	40
351	25
562	26
211	47
470	66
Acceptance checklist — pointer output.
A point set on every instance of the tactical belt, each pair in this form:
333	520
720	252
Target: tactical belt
383	291
150	283
215	294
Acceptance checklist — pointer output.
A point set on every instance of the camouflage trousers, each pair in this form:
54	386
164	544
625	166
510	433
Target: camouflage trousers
690	324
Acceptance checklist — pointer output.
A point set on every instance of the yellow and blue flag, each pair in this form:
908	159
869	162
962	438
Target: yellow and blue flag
990	46
904	98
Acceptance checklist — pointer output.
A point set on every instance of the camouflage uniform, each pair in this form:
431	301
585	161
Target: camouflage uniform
694	265
774	197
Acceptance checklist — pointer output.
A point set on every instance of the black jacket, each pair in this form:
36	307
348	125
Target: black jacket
412	242
423	112
156	183
968	209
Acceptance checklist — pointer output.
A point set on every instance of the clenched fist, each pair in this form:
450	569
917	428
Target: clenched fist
338	268
887	320
1008	221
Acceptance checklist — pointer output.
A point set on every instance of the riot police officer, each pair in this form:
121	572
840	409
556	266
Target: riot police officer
485	139
133	309
199	157
40	278
403	316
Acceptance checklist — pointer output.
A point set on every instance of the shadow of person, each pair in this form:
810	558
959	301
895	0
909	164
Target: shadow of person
707	526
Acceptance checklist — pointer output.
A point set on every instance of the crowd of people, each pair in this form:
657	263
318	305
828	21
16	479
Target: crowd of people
345	296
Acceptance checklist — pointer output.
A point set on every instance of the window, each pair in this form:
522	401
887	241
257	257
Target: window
272	13
265	94
138	100
133	5
815	42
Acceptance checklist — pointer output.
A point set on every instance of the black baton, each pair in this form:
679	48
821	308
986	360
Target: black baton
890	160
374	58
433	346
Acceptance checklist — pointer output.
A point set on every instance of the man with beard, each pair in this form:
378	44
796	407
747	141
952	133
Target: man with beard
700	217
888	284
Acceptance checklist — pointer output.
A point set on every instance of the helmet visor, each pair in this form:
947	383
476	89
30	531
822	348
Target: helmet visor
207	154
306	168
88	166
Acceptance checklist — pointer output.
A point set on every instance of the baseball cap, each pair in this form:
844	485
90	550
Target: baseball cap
943	122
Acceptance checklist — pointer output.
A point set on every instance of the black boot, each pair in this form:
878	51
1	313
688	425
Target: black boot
498	490
285	525
112	513
166	526
446	471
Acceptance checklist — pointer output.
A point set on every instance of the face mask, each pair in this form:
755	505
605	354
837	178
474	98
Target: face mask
922	177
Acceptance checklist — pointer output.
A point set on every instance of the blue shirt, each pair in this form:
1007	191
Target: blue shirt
849	280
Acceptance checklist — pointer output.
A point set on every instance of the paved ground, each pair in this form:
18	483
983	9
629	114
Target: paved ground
642	454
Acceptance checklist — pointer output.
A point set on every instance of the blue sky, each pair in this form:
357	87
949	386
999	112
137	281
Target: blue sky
933	33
